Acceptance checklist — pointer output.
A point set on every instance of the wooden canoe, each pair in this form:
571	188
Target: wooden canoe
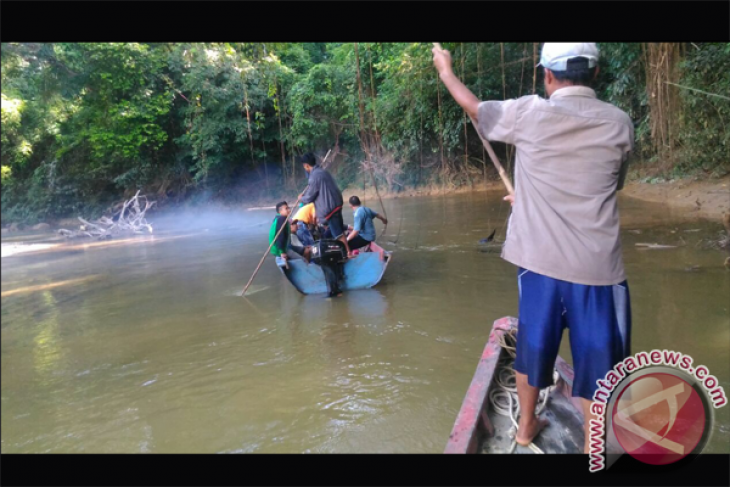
478	429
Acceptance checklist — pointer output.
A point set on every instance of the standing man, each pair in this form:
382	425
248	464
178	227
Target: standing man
326	196
572	155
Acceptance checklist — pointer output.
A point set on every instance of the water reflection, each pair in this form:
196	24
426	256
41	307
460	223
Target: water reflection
47	352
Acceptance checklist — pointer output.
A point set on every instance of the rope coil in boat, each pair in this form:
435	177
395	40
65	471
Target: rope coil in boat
503	397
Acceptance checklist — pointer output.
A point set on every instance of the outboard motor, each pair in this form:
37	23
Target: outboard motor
329	252
331	256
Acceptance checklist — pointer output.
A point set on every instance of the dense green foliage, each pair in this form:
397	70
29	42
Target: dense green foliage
83	125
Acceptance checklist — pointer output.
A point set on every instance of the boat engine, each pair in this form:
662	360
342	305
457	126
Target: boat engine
331	255
329	252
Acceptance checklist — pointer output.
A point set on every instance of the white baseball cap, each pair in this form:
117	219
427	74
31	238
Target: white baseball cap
555	55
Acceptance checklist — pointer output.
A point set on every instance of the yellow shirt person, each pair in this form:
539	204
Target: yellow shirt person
305	214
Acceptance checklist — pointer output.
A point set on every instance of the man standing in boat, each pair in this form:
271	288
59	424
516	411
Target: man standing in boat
322	190
326	196
572	155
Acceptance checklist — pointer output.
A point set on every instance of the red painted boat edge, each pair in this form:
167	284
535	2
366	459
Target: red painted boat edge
472	416
464	435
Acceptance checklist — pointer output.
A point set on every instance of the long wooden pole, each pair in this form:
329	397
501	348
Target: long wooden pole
502	173
277	236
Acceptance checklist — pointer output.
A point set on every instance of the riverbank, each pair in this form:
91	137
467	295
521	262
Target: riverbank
708	198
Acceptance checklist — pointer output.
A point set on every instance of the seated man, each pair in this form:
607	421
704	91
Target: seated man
304	221
363	232
282	245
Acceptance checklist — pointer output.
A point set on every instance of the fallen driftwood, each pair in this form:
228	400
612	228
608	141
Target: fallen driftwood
655	246
131	219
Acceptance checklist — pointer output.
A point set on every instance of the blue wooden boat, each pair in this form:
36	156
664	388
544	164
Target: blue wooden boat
361	272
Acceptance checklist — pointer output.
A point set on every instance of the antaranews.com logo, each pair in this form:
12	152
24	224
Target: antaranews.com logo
654	406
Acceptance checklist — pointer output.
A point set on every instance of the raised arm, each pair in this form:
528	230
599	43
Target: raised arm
462	94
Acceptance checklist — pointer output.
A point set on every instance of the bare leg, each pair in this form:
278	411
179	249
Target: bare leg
529	425
307	254
343	239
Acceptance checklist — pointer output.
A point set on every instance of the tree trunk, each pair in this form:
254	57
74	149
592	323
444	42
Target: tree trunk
661	63
281	132
248	123
361	106
374	96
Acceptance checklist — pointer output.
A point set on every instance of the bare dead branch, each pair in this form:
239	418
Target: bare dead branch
131	220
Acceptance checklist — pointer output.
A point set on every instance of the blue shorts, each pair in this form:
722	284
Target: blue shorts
598	319
336	225
304	235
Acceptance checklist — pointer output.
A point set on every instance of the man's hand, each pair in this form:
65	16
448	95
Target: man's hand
442	60
465	98
510	198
